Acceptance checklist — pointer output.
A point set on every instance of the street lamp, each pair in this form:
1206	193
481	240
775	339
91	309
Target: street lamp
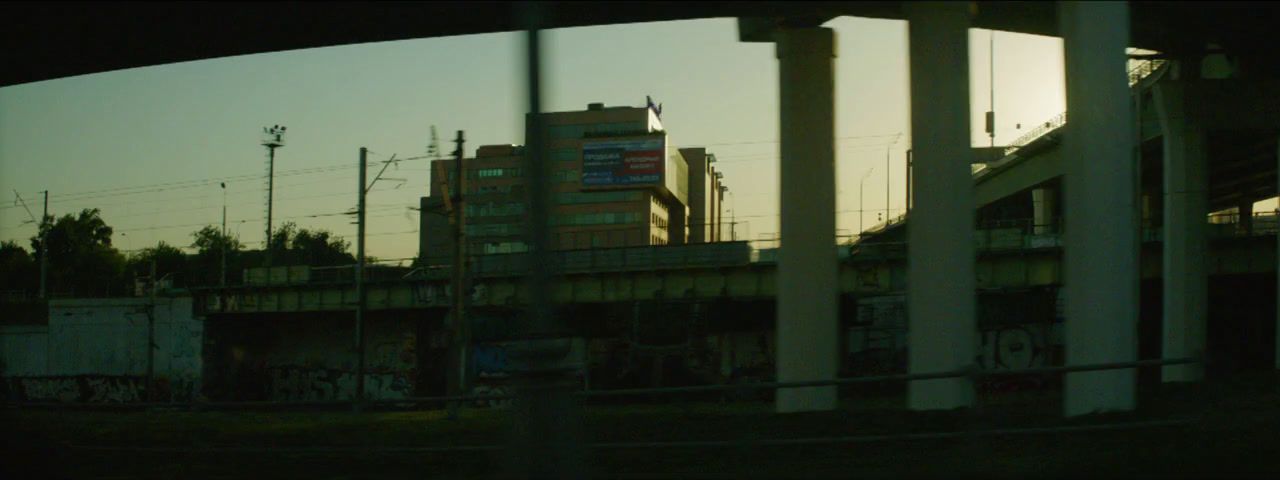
886	175
733	223
273	138
860	213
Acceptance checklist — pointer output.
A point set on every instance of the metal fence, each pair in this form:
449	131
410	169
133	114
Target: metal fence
974	373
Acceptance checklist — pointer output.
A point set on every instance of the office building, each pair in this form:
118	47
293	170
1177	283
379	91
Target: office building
616	182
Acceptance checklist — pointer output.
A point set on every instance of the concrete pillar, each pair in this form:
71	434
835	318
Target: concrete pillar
941	325
1186	208
1043	201
807	276
1245	218
1101	231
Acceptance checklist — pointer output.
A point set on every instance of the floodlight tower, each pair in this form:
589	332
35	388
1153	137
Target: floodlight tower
273	138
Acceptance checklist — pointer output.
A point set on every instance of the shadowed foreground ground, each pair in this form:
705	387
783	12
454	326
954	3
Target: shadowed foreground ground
1233	433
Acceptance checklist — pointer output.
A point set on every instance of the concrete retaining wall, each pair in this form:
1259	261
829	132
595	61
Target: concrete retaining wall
94	350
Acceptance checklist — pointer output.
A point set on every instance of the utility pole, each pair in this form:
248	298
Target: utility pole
862	183
274	139
733	216
44	235
460	334
362	192
886	185
223	282
360	298
908	204
44	242
151	335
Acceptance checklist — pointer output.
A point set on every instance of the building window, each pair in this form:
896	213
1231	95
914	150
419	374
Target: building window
572	198
494	229
566	175
566	132
495	172
605	218
564	154
495	209
503	247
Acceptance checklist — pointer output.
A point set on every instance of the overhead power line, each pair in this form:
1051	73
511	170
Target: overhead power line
205	182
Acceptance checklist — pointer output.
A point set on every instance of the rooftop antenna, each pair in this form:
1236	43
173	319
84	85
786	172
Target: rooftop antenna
433	148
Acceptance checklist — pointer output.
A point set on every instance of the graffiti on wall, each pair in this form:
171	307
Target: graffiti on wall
395	354
493	364
114	390
47	389
1014	347
878	344
97	389
295	383
489	359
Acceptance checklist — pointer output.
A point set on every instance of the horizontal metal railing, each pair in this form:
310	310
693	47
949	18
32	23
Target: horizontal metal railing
1140	71
746	442
974	372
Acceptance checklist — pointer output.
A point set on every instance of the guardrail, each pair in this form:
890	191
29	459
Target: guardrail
655	257
1039	131
974	373
1141	70
1230	225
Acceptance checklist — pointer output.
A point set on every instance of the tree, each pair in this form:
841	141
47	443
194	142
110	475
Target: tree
293	246
18	269
169	261
81	258
211	240
211	244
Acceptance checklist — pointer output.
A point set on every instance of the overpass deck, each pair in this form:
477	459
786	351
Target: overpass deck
1010	256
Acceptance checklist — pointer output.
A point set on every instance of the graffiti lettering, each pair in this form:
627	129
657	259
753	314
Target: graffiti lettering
113	390
289	383
51	389
98	389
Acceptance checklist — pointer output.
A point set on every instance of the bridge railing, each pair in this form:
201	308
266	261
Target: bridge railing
1230	225
1141	70
1039	131
655	257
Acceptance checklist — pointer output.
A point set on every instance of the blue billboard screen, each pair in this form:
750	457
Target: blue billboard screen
623	163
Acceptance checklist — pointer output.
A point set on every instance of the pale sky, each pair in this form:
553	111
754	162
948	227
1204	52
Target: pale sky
175	131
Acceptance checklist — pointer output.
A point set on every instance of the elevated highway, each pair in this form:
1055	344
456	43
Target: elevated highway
1010	256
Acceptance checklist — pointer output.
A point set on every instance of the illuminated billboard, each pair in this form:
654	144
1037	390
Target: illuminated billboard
622	163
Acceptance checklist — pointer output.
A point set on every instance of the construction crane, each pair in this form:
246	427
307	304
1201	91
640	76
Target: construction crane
442	177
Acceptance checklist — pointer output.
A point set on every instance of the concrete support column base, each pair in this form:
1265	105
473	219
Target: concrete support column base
941	306
1100	255
807	271
1186	207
